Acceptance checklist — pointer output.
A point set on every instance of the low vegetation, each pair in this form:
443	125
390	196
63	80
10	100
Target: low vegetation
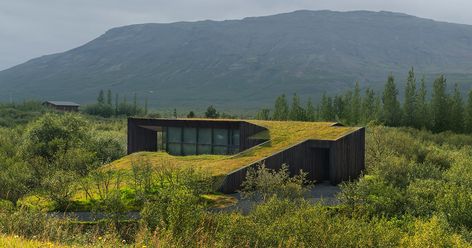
416	191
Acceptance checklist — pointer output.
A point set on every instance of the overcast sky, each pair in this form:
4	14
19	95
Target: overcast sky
31	28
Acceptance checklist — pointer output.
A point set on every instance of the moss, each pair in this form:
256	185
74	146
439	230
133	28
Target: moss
219	200
37	202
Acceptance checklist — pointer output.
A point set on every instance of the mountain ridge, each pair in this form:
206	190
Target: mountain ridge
246	63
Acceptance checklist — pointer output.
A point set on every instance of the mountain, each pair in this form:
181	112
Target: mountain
247	63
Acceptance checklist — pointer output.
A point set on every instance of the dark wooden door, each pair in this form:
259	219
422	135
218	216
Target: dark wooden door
320	162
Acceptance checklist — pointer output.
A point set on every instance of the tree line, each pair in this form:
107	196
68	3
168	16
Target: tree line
441	111
106	107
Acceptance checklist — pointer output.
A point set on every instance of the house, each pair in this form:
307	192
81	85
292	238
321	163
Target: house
62	106
327	151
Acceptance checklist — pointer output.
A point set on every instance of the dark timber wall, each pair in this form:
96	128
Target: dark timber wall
345	162
142	135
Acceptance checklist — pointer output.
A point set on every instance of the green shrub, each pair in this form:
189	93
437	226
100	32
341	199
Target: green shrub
372	196
421	196
262	183
439	157
60	187
53	133
107	146
174	209
6	206
432	233
283	223
455	202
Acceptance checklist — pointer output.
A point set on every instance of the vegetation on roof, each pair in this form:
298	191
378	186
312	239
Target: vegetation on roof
282	134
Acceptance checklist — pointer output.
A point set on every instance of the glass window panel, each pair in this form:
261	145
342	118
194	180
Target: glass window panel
235	137
222	150
204	136
190	135
174	149
234	150
174	134
190	149
204	149
220	136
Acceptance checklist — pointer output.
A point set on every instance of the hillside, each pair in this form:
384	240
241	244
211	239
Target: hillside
246	63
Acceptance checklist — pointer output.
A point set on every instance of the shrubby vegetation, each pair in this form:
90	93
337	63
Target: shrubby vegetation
105	107
12	114
416	192
50	153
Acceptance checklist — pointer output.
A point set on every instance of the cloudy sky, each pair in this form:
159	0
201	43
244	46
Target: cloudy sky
31	28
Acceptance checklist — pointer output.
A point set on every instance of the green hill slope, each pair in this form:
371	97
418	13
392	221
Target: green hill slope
246	63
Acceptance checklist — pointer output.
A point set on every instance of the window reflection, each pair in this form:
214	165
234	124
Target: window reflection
194	141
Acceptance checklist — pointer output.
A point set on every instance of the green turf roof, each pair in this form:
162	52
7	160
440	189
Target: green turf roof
282	134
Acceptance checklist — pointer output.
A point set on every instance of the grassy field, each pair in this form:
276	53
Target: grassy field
282	134
18	242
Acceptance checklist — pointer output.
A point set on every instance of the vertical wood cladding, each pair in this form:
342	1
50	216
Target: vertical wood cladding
141	139
345	158
246	130
348	158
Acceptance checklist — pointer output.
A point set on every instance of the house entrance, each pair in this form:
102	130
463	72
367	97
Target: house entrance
321	166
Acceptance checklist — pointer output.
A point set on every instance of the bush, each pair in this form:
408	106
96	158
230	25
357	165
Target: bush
262	183
421	196
52	134
441	158
31	223
283	223
6	206
432	233
372	196
174	209
455	202
15	179
108	146
100	109
60	187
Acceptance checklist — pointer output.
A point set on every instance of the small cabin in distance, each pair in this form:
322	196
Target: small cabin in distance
62	106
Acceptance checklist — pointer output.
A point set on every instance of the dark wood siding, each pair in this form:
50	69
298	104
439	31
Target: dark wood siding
295	157
345	158
348	158
247	130
140	139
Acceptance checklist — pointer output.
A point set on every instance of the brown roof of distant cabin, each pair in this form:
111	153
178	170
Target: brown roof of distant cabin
63	103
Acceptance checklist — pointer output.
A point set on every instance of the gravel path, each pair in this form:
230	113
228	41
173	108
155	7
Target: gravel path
320	192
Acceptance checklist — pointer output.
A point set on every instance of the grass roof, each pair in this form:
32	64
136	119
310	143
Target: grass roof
282	134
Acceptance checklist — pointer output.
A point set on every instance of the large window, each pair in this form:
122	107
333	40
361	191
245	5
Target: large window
220	141
192	141
174	140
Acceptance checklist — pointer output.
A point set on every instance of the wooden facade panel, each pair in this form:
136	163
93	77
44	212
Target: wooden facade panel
247	130
345	158
348	157
140	139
